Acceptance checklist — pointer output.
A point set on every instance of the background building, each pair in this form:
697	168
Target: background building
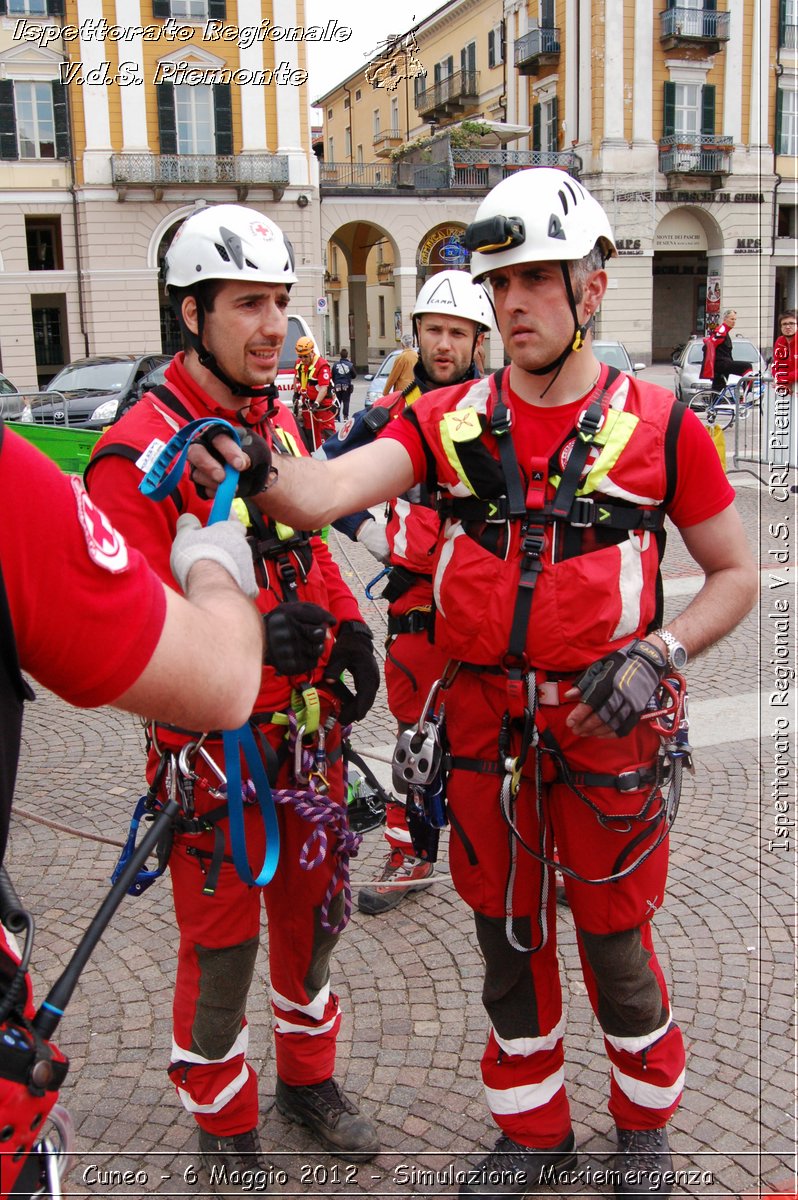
681	120
116	121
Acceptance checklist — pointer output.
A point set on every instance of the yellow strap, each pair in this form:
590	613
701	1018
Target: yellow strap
307	706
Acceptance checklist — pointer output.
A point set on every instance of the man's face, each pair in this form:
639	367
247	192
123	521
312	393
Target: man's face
245	329
446	346
532	310
731	320
306	357
788	326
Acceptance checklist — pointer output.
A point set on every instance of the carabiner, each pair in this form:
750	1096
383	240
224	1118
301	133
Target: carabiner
299	774
373	583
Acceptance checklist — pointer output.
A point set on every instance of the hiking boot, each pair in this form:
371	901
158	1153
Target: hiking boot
235	1164
642	1162
512	1170
331	1116
396	882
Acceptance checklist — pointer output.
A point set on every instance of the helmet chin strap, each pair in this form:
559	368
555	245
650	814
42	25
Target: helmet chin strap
577	341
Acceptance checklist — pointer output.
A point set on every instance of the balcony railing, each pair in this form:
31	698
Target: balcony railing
160	171
684	26
536	48
472	171
788	37
697	154
450	95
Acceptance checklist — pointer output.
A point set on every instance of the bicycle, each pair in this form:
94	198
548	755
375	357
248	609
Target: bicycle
734	400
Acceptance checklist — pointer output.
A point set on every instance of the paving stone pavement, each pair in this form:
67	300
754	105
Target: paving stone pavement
410	980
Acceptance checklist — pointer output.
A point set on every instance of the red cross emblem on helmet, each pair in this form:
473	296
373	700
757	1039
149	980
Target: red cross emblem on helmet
264	231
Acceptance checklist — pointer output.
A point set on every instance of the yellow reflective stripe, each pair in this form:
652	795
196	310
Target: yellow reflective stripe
241	511
307	706
462	425
613	437
287	441
413	394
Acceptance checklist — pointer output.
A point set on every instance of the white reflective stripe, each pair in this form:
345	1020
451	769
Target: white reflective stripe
402	511
621	394
398	835
477	396
608	488
283	1026
630	583
451	530
648	1095
507	1102
527	1046
633	1045
314	1010
239	1046
224	1097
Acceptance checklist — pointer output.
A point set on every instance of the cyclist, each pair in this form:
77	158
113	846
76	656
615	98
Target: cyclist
725	362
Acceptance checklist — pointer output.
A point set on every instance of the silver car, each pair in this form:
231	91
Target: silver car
378	380
688	365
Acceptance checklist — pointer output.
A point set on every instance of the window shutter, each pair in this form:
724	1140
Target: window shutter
450	65
535	126
3	9
223	117
463	61
60	119
491	48
669	112
217	10
55	8
167	122
8	122
710	5
161	9
547	14
779	110
782	22
708	109
554	109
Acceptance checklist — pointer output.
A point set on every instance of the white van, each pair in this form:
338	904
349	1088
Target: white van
297	328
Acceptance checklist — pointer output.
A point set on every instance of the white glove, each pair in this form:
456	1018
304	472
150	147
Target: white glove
372	535
224	543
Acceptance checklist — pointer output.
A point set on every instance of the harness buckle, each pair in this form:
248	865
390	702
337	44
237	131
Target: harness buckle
629	781
583	512
590	422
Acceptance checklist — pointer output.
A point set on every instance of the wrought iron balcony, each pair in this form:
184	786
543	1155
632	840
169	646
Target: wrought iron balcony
537	48
450	97
694	26
470	171
162	171
387	141
698	154
788	37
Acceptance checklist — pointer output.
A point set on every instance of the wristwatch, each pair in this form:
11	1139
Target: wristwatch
677	655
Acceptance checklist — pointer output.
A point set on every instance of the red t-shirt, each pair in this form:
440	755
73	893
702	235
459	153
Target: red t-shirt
87	611
702	489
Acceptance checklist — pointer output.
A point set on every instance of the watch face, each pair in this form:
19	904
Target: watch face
679	657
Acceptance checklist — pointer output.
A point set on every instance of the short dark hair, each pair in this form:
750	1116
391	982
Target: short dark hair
344	352
789	314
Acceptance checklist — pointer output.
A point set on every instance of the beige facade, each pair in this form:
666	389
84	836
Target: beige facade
682	119
118	119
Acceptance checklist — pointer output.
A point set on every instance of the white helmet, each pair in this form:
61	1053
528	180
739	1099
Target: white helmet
228	241
455	293
538	215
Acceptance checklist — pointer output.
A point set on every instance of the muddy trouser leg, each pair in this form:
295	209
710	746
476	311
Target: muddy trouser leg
522	1066
623	977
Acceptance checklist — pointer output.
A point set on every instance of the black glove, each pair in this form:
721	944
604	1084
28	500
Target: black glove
619	686
354	652
296	634
256	476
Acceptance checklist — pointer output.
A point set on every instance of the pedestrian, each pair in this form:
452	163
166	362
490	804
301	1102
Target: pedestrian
343	377
553	479
725	363
450	319
228	275
120	638
785	351
401	372
314	397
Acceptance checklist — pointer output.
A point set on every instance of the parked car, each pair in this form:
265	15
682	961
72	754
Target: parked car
88	393
615	354
688	366
378	380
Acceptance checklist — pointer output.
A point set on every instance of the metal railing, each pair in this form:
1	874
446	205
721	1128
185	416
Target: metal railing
695	154
386	137
536	42
463	170
161	170
788	37
462	85
363	176
706	24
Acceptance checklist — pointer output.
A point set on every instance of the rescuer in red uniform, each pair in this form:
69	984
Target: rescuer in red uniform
553	478
228	274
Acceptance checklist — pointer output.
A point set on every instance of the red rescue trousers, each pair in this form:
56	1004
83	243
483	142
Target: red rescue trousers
523	1064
